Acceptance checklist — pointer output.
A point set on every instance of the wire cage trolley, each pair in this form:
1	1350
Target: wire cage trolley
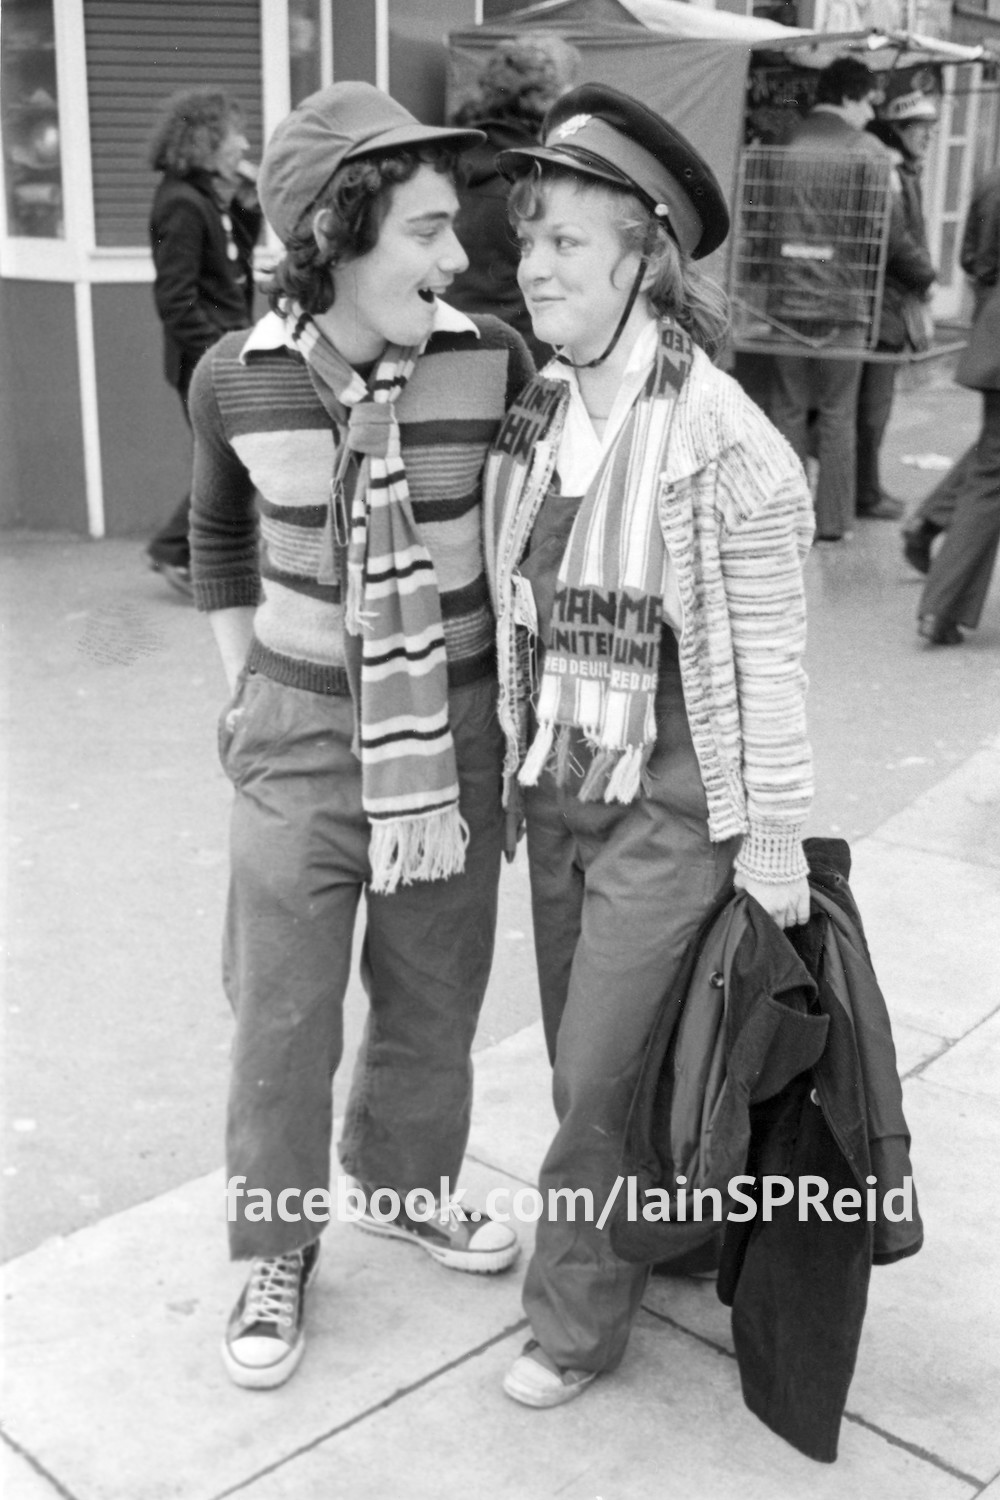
808	261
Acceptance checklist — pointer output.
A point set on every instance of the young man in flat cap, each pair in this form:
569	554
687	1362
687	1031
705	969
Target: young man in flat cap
342	443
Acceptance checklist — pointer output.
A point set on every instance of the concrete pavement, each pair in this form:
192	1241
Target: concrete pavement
116	1038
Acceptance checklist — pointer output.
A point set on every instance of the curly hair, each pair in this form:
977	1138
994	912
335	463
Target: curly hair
192	126
523	77
674	287
348	215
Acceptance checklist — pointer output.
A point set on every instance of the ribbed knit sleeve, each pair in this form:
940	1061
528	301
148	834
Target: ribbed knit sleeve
224	566
766	516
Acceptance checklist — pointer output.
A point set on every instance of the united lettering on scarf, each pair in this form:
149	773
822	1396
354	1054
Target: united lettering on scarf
600	670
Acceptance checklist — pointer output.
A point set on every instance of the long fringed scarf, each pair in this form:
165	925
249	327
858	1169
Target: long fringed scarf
602	665
409	776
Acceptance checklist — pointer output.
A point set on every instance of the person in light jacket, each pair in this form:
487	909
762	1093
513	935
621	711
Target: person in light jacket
645	531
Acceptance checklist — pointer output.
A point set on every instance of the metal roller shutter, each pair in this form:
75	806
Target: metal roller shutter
139	52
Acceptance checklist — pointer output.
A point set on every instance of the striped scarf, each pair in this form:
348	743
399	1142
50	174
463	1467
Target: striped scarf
409	777
602	665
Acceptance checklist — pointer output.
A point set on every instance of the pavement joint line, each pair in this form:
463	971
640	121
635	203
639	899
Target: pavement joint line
914	1449
494	1166
878	836
39	1469
700	1338
370	1411
949	1043
917	1070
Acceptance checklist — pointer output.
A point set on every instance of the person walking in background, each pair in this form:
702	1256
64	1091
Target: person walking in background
203	226
349	429
819	297
645	533
960	573
519	82
980	260
904	124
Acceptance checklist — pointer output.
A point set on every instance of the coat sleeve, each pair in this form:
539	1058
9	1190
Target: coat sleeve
908	261
179	245
766	526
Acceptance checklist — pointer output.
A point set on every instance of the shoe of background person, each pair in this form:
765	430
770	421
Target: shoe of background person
265	1338
938	632
917	547
178	577
536	1380
461	1239
887	508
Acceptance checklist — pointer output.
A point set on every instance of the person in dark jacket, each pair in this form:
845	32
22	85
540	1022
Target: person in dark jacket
960	574
821	298
520	81
203	226
980	260
904	124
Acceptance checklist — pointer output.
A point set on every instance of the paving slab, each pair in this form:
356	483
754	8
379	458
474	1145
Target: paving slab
20	1480
928	1368
670	1422
972	1065
514	1120
959	816
929	1365
915	1047
114	1383
932	922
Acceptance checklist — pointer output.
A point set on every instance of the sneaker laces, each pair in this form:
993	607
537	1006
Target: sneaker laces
453	1216
273	1288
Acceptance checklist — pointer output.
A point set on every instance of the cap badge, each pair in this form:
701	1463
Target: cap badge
571	126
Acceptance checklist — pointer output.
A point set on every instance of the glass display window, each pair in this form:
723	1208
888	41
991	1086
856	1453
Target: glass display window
32	149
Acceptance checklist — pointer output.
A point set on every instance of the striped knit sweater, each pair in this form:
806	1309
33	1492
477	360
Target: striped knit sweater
737	521
265	450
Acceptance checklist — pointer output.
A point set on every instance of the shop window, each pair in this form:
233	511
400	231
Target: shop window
31	146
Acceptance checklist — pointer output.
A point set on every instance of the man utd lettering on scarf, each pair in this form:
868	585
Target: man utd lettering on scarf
601	667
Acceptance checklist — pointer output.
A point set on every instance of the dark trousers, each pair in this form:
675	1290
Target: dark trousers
875	393
959	579
617	894
829	387
299	852
170	545
935	513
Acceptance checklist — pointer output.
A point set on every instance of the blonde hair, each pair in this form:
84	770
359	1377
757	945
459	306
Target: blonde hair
674	286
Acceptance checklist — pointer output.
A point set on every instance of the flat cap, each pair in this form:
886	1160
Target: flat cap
336	125
599	132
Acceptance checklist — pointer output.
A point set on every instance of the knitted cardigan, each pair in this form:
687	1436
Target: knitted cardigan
737	522
265	450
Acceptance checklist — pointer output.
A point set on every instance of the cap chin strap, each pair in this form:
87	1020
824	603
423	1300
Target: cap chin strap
590	364
643	263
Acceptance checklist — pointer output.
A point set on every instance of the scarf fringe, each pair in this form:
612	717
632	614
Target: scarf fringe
538	754
626	778
431	847
564	739
600	768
